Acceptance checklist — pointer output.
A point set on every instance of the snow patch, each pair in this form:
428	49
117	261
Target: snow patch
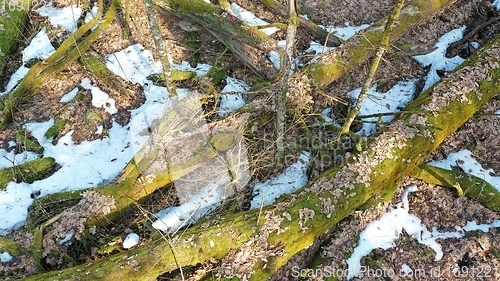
69	96
391	101
383	232
437	59
251	19
292	178
66	17
130	241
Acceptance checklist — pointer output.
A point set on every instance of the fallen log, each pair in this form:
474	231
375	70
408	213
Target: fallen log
465	184
276	233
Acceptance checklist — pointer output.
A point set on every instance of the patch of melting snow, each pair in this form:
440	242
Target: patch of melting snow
205	200
5	257
39	48
251	19
347	31
293	178
100	99
231	97
130	241
469	165
343	32
496	4
69	96
66	17
383	232
437	59
391	101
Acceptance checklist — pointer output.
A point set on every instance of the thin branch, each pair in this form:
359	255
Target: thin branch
384	45
285	72
162	53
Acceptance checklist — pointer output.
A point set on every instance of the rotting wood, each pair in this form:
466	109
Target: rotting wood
298	220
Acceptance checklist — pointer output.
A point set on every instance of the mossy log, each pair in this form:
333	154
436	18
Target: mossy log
248	43
465	184
27	172
13	17
362	46
279	231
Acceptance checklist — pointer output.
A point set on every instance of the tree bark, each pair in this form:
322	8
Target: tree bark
295	222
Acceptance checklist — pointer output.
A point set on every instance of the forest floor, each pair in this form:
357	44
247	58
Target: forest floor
477	254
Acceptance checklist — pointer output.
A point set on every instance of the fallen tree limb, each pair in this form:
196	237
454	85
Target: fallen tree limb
276	233
465	184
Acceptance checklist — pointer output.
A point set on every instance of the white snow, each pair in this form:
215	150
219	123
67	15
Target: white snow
100	99
250	18
68	237
66	17
496	4
347	31
469	165
69	96
406	269
39	48
390	102
343	32
5	257
92	14
292	178
438	60
207	199
383	232
130	241
9	159
133	64
231	96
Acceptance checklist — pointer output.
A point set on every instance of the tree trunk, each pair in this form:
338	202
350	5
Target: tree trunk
294	223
